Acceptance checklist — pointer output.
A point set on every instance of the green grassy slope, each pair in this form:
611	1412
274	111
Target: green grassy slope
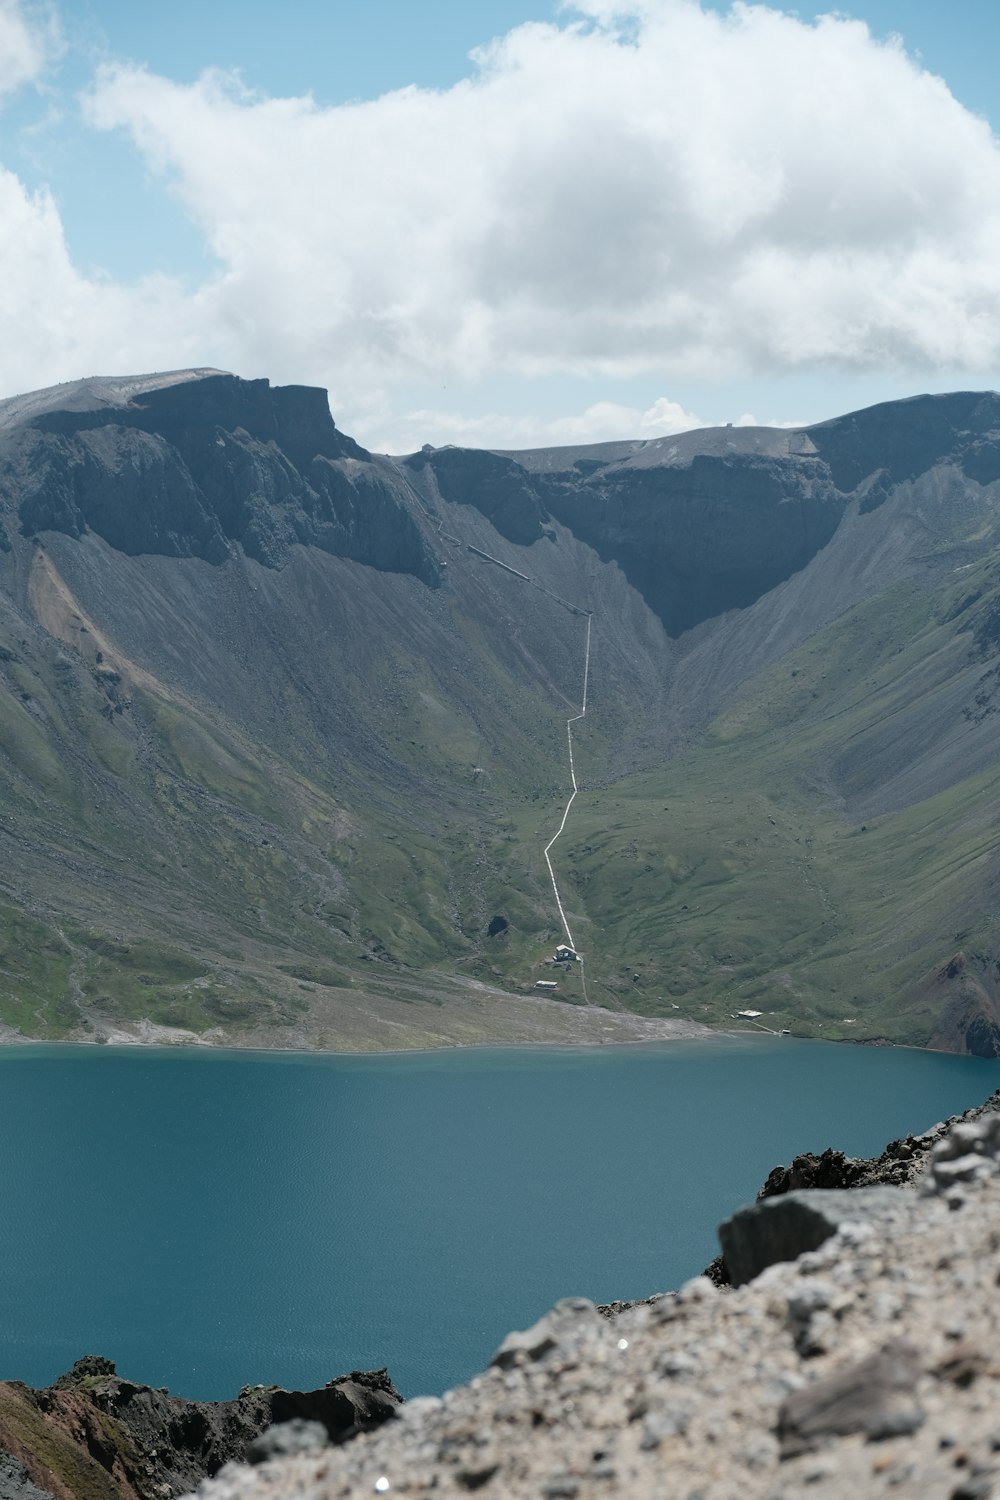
741	876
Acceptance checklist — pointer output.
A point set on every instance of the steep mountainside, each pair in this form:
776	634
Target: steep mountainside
282	724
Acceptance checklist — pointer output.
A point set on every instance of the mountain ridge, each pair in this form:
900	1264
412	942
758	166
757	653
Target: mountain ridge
282	723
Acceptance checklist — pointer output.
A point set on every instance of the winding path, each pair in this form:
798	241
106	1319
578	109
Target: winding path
575	719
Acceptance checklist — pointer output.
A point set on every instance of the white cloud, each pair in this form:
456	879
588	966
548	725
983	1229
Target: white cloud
27	40
57	324
648	189
602	422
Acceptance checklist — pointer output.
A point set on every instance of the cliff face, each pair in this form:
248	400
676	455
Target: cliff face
695	533
714	519
706	537
900	440
496	485
186	469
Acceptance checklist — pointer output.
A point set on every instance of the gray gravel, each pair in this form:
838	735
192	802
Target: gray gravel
867	1367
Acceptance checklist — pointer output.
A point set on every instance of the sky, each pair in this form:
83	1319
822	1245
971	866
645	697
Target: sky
507	223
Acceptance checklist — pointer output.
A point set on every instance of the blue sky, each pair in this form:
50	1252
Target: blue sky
161	219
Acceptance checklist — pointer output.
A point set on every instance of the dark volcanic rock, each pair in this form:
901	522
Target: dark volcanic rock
496	485
702	538
903	1163
785	1227
92	1435
713	520
188	469
699	527
906	438
296	1436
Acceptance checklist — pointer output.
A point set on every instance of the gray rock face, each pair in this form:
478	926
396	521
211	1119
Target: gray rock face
874	1397
968	1153
711	520
708	537
188	469
902	439
783	1228
697	534
495	484
902	1163
296	1436
16	1483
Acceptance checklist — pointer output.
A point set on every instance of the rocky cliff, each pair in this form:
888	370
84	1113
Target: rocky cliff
95	1436
187	468
712	520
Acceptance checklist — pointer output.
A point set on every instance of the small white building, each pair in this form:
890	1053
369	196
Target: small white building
748	1015
546	984
566	955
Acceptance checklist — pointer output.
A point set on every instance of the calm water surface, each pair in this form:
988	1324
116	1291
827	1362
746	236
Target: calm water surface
212	1220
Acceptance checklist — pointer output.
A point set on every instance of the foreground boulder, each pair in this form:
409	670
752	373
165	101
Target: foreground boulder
779	1229
94	1436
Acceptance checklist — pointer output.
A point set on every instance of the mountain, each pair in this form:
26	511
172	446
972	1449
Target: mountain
283	725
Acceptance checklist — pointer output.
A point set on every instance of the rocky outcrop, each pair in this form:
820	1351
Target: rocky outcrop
188	469
812	1176
94	1436
495	484
697	529
902	1163
783	1228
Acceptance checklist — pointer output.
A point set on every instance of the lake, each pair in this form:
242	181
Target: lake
211	1220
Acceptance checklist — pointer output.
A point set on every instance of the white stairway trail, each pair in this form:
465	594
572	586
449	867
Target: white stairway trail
575	719
576	610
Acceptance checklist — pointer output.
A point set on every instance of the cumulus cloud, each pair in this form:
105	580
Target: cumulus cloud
646	189
58	324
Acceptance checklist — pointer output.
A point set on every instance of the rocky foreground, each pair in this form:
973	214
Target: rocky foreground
867	1365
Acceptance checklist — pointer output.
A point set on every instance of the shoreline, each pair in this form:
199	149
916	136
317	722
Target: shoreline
703	1036
707	1035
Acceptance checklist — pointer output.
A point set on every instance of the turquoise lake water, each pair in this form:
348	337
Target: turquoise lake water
210	1220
